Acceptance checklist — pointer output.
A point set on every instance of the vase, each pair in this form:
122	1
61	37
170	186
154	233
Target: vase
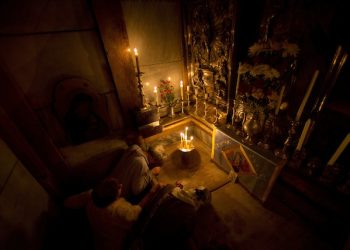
251	127
171	112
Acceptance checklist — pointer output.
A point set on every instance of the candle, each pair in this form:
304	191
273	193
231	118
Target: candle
303	134
182	90
280	100
339	150
182	138
238	79
186	129
156	94
137	61
306	97
188	89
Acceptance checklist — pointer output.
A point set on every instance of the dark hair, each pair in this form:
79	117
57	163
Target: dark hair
105	192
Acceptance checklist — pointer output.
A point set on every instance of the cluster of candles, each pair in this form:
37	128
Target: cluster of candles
186	144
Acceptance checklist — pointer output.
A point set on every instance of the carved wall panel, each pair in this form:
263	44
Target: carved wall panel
209	30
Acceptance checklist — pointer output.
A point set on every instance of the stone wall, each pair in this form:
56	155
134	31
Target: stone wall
43	42
24	205
154	28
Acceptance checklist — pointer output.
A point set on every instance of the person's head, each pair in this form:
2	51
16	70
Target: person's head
133	137
106	192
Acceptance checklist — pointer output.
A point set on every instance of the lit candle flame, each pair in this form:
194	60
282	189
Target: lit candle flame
128	50
135	51
155	89
169	78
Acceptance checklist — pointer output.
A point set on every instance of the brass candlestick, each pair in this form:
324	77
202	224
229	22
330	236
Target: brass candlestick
205	109
196	105
139	81
188	100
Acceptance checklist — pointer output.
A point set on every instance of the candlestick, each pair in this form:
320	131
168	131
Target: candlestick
188	100
156	94
306	97
280	100
182	90
339	150
182	138
238	79
303	134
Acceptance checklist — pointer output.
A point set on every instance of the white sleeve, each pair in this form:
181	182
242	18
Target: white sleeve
142	176
128	211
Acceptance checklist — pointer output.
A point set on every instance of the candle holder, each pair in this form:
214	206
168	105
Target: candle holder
284	152
332	175
182	108
297	159
205	109
313	167
196	105
217	116
188	100
270	128
186	145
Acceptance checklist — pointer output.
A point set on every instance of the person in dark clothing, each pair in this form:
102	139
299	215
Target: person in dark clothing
169	221
81	122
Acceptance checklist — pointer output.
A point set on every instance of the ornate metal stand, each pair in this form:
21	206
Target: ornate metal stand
216	121
188	100
284	152
269	132
205	109
196	105
182	108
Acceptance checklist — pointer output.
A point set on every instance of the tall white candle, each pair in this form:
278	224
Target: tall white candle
303	134
238	79
182	138
306	97
280	100
182	90
137	60
156	94
188	89
339	150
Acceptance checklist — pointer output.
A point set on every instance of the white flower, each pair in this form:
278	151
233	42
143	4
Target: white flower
244	68
290	49
256	49
264	70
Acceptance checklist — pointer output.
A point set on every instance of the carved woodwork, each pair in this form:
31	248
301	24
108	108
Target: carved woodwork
209	46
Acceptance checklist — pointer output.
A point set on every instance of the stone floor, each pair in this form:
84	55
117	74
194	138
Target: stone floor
235	220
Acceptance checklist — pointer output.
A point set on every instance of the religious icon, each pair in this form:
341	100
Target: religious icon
238	160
